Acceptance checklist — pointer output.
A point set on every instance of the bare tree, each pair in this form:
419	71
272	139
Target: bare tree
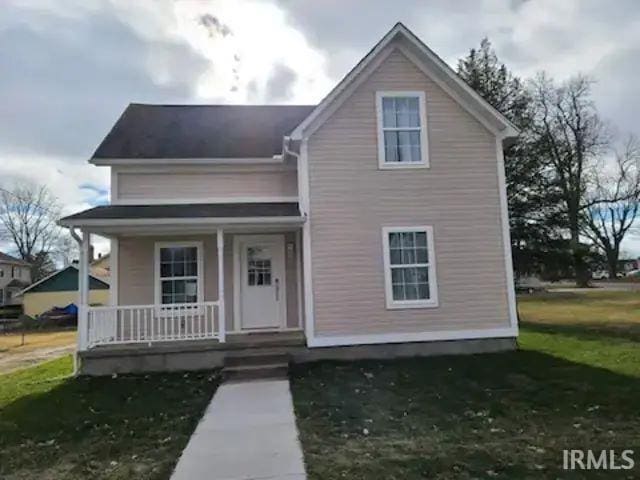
28	216
66	250
570	137
614	202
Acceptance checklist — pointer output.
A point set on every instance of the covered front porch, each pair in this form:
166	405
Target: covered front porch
181	281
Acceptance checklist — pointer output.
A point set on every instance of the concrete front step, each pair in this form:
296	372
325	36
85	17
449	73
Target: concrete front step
257	359
255	372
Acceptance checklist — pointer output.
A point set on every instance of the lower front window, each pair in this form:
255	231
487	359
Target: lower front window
409	267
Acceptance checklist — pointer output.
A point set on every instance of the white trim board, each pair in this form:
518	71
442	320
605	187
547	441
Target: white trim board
187	161
381	338
506	238
114	270
95	222
307	267
201	200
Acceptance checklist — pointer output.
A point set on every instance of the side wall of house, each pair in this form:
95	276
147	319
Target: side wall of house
351	200
202	183
136	272
36	303
22	273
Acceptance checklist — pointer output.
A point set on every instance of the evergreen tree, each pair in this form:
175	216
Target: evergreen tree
532	199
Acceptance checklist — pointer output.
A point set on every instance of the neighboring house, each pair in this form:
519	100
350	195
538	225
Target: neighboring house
100	267
628	265
15	274
59	290
377	217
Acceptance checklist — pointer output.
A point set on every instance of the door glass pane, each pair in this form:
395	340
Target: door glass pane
258	267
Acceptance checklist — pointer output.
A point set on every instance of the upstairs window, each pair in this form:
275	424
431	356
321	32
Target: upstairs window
402	132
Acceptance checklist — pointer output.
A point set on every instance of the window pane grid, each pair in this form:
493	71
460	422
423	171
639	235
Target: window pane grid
401	129
179	275
409	266
259	272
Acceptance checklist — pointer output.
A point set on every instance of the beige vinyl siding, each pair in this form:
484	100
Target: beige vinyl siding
136	272
351	200
203	182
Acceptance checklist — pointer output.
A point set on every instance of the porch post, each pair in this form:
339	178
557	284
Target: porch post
221	312
83	291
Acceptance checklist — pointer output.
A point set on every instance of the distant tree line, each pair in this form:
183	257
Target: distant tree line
573	186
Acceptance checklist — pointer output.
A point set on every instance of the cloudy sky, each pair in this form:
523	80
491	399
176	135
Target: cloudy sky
69	67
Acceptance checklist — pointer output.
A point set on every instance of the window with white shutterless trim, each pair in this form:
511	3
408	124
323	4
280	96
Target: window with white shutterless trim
402	129
409	267
178	272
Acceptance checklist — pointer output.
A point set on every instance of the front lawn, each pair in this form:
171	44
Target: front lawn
56	426
575	383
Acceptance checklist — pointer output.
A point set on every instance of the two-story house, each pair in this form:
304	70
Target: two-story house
15	274
374	223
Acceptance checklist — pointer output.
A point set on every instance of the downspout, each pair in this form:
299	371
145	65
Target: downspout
74	234
286	151
285	148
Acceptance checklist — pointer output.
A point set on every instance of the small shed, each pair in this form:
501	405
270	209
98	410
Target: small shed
60	289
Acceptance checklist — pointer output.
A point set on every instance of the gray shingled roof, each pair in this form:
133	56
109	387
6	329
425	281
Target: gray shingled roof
201	131
197	210
9	259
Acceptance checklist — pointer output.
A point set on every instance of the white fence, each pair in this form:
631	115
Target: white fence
153	323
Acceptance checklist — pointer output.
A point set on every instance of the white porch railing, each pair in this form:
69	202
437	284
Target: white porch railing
153	323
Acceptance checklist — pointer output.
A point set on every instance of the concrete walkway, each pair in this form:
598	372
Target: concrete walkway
248	432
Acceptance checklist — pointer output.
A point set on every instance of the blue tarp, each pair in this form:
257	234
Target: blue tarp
70	309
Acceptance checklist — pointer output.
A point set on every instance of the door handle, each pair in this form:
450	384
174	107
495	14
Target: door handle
277	289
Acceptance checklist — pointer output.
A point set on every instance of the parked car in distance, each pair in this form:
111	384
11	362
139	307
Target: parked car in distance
600	275
633	274
529	285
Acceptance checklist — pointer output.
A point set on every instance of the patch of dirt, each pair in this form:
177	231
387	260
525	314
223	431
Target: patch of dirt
16	361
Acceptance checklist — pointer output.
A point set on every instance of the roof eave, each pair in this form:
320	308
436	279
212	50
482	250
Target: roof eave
108	162
199	221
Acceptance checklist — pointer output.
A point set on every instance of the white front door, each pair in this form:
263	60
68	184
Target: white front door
262	282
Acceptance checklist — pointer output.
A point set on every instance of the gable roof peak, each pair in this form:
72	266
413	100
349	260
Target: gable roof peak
432	65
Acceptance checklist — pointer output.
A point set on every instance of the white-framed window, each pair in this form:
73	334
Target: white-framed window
14	272
402	130
178	273
1	272
409	267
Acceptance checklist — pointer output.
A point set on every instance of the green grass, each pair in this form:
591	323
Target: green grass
53	425
574	383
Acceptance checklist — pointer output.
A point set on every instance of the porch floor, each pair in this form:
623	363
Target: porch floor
234	341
